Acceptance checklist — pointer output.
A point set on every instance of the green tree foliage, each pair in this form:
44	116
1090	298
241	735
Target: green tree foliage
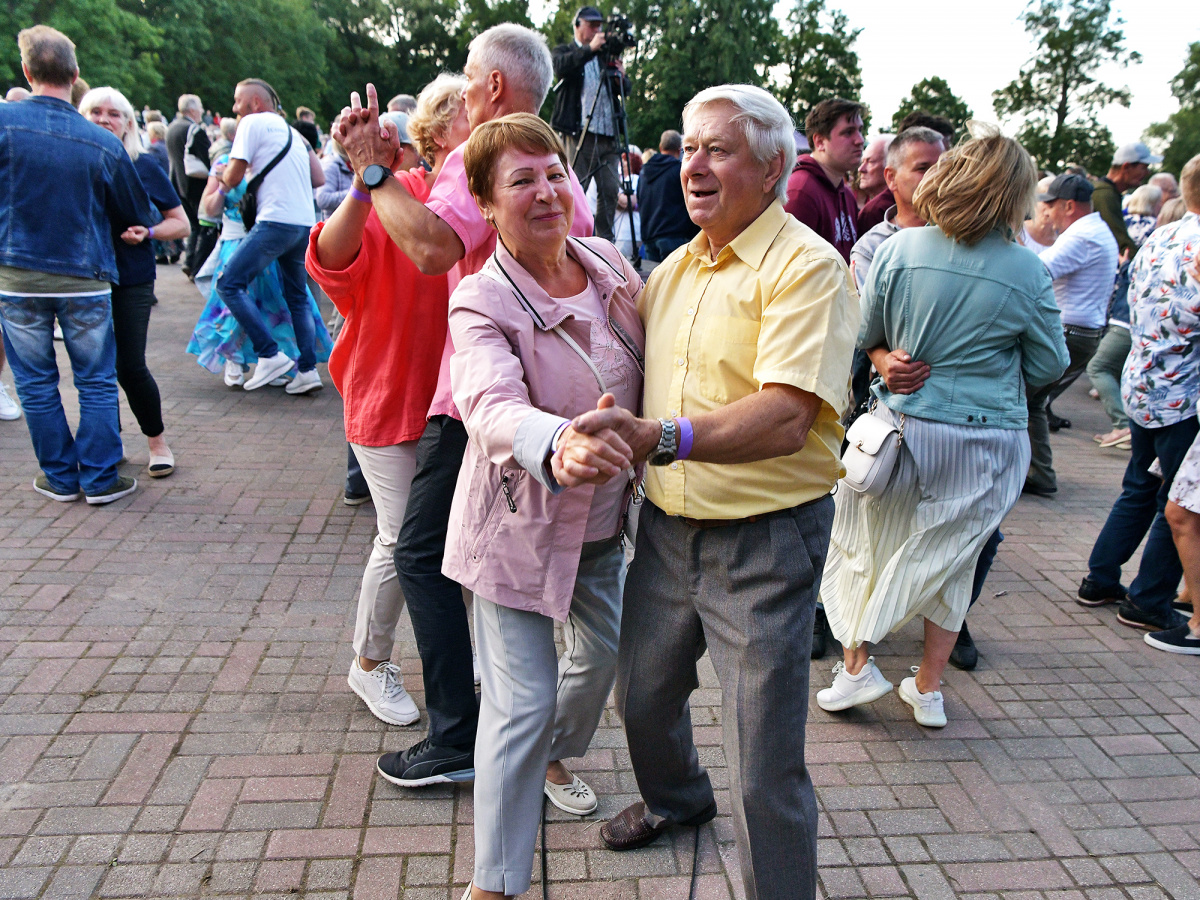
933	95
1057	95
113	45
818	62
687	45
1181	131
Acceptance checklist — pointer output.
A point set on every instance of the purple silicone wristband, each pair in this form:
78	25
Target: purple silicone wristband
359	195
685	438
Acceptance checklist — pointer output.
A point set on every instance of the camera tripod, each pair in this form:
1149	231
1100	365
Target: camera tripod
610	75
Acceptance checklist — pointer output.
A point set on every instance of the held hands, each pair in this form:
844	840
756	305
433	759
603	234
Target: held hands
135	234
900	372
366	139
603	443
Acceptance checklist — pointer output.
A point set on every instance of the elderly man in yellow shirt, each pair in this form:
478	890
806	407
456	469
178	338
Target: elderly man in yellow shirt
750	330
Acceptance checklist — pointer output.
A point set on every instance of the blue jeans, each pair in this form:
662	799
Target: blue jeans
266	243
1140	509
89	459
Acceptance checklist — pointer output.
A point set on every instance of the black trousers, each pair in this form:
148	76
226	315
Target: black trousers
435	603
191	207
131	306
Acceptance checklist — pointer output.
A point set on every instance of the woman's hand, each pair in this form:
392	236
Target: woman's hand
366	140
900	372
591	458
135	234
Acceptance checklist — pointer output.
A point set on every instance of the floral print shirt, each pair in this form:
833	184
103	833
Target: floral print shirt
1162	372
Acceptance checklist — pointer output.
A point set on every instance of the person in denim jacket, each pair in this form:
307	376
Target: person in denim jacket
68	185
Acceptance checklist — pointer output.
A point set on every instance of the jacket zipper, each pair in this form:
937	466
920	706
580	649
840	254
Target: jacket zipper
512	507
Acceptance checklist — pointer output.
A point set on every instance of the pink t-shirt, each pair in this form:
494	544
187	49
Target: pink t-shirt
451	201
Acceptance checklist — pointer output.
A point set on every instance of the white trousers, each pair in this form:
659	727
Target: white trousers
389	473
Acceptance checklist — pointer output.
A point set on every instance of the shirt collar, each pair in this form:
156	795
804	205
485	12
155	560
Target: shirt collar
752	244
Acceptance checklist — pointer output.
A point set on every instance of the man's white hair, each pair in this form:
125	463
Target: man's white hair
766	125
518	53
190	101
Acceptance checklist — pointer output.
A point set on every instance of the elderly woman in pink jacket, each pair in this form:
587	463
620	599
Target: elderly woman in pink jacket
548	329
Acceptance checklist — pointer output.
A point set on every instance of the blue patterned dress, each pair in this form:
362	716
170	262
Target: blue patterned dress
218	336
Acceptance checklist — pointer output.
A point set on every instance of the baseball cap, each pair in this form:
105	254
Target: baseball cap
1067	187
1136	152
400	120
589	14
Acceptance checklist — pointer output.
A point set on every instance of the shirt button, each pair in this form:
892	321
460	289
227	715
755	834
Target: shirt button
690	310
681	362
983	418
674	465
970	418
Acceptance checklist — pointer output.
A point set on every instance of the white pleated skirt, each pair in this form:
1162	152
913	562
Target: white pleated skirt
912	551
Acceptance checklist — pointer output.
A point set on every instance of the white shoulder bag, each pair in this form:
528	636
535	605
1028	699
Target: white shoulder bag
871	456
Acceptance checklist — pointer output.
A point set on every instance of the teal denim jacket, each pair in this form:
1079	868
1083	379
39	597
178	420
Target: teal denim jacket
983	318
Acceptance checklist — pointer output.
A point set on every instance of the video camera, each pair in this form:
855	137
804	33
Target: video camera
618	37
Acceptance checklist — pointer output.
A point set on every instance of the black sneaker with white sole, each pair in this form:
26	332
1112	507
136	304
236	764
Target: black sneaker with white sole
42	485
1093	594
1175	640
122	487
424	763
1128	613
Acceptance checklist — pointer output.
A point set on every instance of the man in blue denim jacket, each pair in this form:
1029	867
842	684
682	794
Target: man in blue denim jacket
65	183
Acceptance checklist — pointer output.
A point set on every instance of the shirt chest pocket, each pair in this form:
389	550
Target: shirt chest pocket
728	349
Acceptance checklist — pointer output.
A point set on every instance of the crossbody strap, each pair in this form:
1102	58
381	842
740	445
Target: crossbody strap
252	187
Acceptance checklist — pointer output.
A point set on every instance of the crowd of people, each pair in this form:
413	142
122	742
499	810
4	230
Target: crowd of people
655	465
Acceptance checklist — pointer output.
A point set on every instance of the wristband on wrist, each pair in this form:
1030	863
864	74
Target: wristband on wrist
685	438
221	189
358	195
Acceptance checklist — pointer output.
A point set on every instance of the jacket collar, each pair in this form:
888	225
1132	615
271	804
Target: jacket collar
546	310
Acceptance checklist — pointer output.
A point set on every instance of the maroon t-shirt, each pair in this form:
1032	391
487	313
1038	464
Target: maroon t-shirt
830	212
872	214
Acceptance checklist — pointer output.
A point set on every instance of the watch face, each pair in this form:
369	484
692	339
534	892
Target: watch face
660	458
374	175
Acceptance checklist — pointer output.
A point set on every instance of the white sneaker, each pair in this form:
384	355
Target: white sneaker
575	798
853	690
305	382
928	709
234	375
268	369
383	692
9	409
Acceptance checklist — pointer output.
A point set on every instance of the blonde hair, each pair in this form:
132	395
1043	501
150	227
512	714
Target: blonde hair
1189	183
1172	211
984	183
110	95
156	130
488	142
1145	201
437	108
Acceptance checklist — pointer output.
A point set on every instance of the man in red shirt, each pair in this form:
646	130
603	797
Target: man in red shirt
818	194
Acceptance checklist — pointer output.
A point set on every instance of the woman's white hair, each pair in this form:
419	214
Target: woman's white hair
766	125
110	95
1145	201
520	54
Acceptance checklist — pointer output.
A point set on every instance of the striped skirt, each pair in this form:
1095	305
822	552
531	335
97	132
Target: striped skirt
912	551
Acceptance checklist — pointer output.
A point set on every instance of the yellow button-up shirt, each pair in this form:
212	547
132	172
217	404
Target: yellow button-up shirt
776	306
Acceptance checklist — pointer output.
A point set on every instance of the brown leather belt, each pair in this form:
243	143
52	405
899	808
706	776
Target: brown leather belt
721	523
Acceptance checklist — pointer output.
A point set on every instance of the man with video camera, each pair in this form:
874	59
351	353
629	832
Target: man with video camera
588	73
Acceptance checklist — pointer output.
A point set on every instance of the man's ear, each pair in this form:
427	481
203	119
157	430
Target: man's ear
497	85
774	173
889	178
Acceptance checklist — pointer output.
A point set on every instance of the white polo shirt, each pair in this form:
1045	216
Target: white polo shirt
1083	264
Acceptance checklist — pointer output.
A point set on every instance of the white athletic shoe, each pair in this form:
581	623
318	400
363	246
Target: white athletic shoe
853	690
305	382
928	709
268	369
234	376
9	409
383	692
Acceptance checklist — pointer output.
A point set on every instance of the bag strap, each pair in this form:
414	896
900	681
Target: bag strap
252	187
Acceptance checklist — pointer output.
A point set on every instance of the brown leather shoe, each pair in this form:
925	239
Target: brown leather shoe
629	830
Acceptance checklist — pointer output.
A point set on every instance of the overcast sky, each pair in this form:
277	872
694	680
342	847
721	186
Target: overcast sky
981	46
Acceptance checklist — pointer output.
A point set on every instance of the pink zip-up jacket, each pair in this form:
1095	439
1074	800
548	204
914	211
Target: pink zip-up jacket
515	534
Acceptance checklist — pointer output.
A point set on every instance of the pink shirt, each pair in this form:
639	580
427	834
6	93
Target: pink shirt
451	201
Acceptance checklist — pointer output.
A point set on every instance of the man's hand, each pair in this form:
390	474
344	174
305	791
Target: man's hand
591	458
366	140
900	372
597	41
640	436
135	234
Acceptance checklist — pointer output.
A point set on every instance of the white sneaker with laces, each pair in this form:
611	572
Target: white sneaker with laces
928	709
234	376
9	409
267	370
305	382
853	690
575	798
383	691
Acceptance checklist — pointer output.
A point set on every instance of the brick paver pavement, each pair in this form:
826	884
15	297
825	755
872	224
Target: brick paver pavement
175	719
